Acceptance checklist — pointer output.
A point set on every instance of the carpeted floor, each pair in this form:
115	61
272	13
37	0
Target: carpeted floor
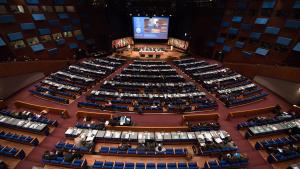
35	157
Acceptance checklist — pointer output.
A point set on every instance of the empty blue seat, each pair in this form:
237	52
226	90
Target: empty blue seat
169	151
179	151
66	163
131	151
161	165
140	165
192	165
129	165
119	165
77	162
150	166
113	150
104	149
108	165
171	165
98	164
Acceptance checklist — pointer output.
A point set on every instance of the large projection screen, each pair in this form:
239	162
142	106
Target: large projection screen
150	27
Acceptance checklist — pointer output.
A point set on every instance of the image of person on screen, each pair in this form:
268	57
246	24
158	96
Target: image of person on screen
151	25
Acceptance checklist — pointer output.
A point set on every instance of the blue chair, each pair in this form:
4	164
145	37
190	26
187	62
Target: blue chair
161	165
60	145
108	165
66	163
77	163
129	166
211	164
113	150
169	151
98	164
119	165
182	166
193	165
179	152
171	165
224	164
131	151
104	150
150	166
140	165
141	152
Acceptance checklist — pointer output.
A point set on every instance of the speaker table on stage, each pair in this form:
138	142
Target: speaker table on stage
151	53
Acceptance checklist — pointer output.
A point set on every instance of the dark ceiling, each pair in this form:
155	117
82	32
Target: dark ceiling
153	7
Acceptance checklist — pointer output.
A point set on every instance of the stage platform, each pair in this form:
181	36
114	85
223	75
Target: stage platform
168	54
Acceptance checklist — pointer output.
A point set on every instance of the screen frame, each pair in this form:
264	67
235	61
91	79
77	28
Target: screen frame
133	30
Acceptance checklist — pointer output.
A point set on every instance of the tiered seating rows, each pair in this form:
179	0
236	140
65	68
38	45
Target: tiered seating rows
133	151
19	138
12	152
30	115
272	128
231	88
138	165
280	157
70	82
215	164
28	126
59	161
292	139
140	90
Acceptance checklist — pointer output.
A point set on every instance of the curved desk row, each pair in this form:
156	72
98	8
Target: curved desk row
253	112
21	104
24	125
131	136
200	117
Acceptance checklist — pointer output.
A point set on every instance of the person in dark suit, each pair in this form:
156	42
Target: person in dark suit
68	157
49	155
76	155
59	153
3	165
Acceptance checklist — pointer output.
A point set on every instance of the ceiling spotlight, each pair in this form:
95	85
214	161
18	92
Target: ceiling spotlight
138	14
162	14
170	15
130	14
154	15
146	14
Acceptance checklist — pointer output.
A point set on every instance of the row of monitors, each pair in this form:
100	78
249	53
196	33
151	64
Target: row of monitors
268	30
37	47
40	17
270	4
259	51
265	52
283	41
31	26
17	42
19	9
267	4
290	23
44	31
